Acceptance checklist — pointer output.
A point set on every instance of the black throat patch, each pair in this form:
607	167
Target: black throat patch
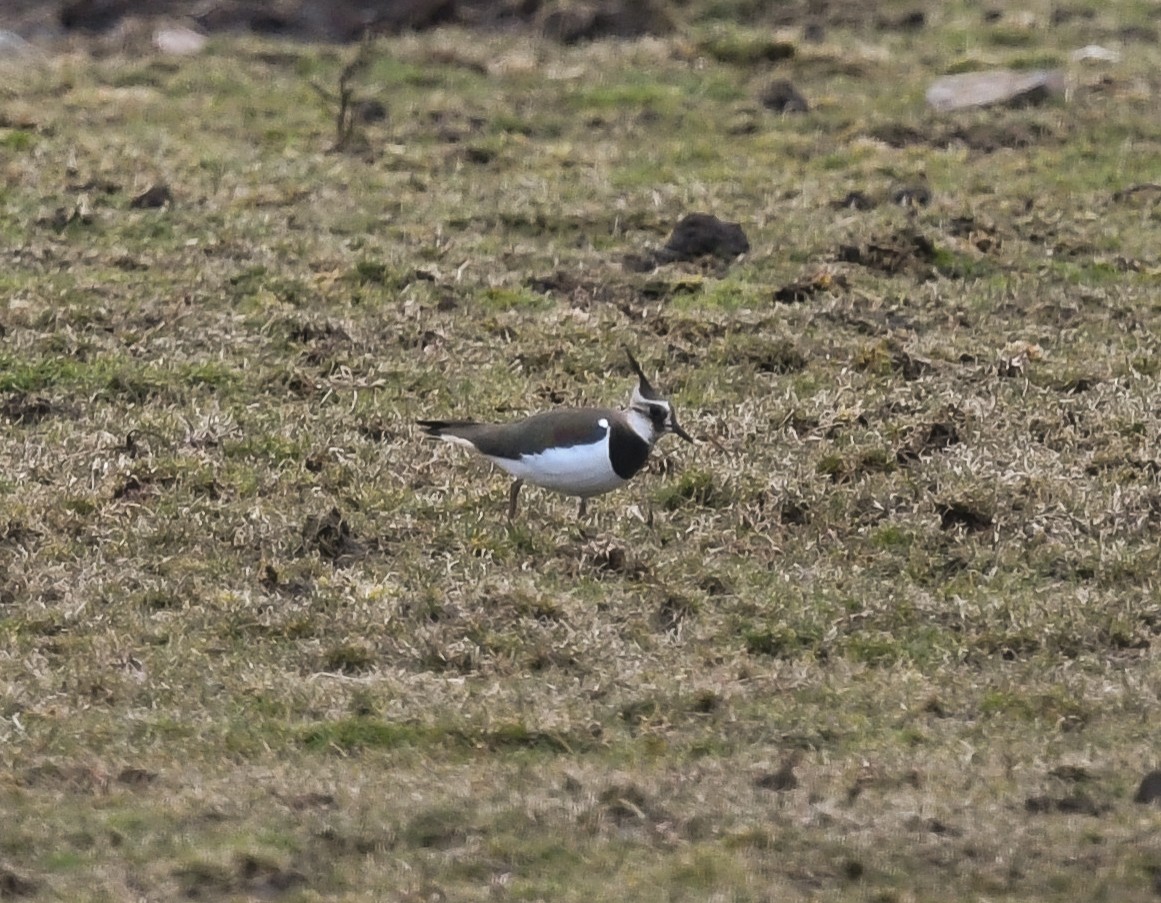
628	452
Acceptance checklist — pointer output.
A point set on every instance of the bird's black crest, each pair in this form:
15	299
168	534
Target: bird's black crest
645	388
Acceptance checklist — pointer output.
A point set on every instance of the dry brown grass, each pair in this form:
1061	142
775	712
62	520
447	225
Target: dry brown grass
888	634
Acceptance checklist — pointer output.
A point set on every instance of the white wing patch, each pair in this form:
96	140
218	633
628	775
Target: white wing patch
582	470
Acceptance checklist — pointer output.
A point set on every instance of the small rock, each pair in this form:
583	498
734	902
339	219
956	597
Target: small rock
699	234
1150	789
1095	52
1005	87
177	40
782	97
12	46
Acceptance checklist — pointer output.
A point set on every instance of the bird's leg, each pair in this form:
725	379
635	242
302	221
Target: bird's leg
584	507
512	493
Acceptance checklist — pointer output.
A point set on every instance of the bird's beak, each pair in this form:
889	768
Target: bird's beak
675	427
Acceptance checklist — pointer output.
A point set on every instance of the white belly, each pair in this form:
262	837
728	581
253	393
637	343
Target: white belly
582	470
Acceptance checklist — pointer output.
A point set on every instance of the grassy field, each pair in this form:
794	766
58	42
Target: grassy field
888	632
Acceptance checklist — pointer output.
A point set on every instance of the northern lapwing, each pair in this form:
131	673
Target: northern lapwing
573	451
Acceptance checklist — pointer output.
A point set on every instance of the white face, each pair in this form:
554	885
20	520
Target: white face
652	414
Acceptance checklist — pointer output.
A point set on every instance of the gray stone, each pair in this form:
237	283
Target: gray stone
1095	52
1006	87
177	40
12	46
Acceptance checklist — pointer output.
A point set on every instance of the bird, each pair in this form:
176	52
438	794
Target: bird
573	451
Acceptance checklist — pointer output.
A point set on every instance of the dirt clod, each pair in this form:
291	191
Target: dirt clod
1149	790
783	778
14	886
804	289
703	234
964	514
672	613
330	535
153	197
25	410
926	439
782	97
626	804
905	251
136	777
1072	804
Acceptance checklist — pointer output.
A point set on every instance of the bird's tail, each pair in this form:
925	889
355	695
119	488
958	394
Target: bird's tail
444	429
